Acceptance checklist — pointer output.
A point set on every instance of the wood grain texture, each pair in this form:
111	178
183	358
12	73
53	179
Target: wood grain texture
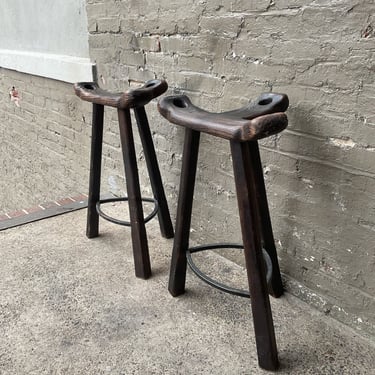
91	92
259	119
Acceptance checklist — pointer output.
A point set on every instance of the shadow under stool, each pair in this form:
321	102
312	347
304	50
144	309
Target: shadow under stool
135	99
242	127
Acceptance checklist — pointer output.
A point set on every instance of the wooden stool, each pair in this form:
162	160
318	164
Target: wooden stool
242	127
135	99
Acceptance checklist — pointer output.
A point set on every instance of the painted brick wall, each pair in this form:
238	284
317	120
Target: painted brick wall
44	142
320	172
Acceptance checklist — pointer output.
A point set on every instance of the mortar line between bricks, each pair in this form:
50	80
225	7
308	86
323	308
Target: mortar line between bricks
351	170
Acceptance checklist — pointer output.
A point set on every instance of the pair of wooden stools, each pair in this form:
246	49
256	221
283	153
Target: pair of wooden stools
242	127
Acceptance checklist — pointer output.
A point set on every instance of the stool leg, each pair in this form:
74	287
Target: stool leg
138	230
177	274
92	227
165	222
251	235
276	285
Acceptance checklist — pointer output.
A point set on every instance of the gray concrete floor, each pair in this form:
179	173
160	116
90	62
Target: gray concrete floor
69	305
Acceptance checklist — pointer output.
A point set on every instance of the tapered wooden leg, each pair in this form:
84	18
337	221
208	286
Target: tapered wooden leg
138	230
276	285
92	227
177	276
166	227
251	235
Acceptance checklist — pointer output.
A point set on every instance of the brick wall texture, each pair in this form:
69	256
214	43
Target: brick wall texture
44	141
320	172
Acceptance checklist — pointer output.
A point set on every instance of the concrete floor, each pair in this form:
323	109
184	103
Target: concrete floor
69	305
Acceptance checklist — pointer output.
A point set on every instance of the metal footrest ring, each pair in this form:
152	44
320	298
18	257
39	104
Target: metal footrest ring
216	284
124	199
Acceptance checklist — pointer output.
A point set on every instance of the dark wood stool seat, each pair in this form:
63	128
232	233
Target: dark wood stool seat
248	123
134	99
138	97
242	127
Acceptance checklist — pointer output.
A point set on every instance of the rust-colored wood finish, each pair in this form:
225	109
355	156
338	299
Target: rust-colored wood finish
242	127
134	99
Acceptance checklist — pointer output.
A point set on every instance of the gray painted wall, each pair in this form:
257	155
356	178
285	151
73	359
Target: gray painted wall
58	26
320	172
45	38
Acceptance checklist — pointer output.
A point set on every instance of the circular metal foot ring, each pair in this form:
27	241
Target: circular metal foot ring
124	199
216	284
